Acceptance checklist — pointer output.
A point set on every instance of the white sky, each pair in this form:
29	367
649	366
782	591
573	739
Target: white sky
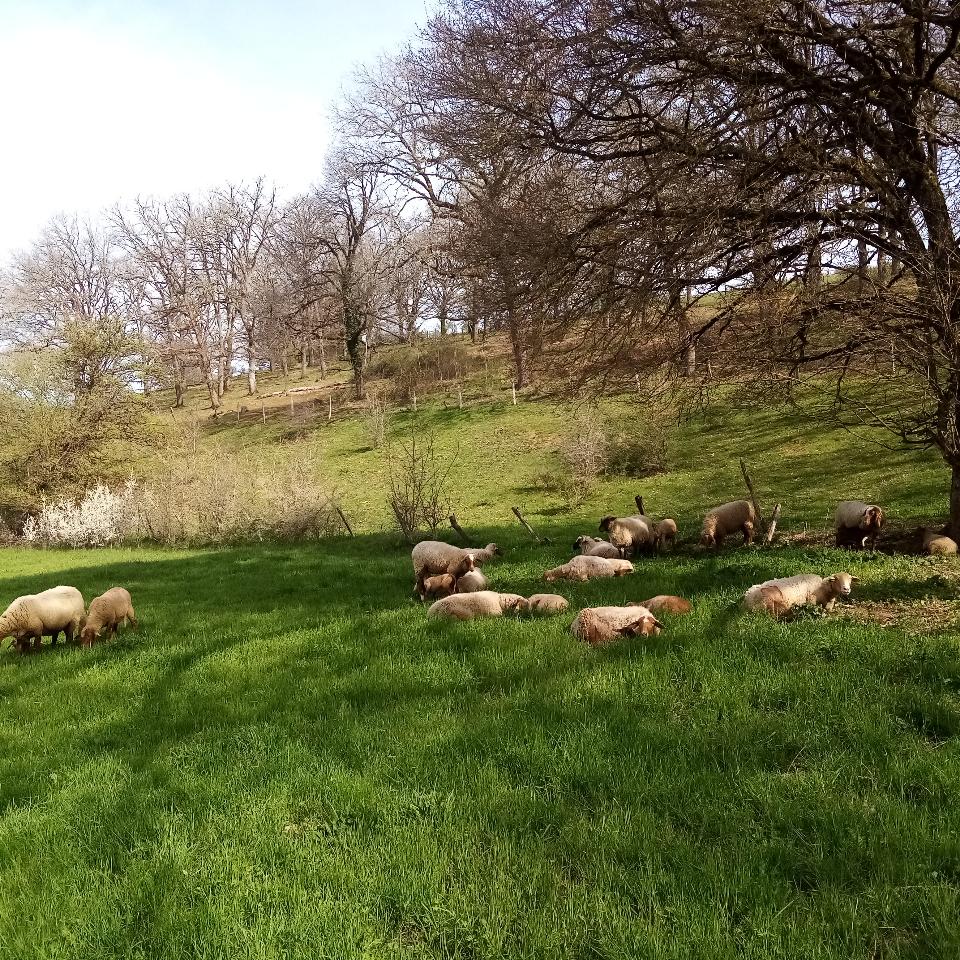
109	99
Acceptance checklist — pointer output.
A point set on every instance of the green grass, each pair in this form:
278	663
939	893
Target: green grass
288	760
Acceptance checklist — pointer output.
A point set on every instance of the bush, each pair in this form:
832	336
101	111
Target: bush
419	496
199	498
416	368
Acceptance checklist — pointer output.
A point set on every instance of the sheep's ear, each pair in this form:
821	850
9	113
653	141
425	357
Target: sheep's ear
854	579
657	623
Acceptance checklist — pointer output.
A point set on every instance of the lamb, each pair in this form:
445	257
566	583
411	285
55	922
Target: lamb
856	522
726	519
31	616
486	603
433	557
665	532
110	610
443	584
584	568
594	547
599	625
547	604
776	597
472	582
938	544
629	534
667	603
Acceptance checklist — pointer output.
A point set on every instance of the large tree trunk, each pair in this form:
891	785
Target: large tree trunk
251	366
303	359
954	527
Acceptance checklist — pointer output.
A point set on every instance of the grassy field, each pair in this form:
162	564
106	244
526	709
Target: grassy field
287	760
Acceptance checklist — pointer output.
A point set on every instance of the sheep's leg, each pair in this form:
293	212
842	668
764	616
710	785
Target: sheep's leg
132	619
747	533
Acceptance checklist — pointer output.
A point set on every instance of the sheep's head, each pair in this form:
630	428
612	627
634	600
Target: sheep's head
872	519
842	584
606	521
622	567
579	543
708	540
465	565
87	635
647	626
493	550
510	603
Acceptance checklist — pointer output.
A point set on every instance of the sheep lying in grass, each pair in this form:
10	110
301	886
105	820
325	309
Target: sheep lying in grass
629	534
665	531
434	557
486	603
108	611
32	616
443	584
586	568
472	582
594	547
667	603
938	544
599	625
856	522
777	597
547	604
726	519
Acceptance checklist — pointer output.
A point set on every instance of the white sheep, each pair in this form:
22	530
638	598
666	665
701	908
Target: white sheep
595	547
585	568
938	544
433	557
598	625
629	534
728	518
32	616
776	597
486	603
108	611
547	604
856	522
472	582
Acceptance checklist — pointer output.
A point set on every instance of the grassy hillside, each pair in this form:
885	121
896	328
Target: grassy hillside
289	760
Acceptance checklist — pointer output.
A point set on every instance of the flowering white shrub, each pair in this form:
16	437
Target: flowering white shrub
101	518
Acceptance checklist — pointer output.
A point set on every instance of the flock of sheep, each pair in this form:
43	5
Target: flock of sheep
451	576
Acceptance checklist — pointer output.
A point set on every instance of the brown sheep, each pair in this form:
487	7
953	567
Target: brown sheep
600	625
666	533
108	611
667	603
728	518
443	584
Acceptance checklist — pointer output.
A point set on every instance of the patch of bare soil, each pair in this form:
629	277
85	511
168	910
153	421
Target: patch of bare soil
929	615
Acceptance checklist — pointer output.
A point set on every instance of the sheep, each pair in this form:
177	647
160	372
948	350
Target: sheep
31	616
726	519
432	557
110	610
443	584
938	544
599	625
776	597
584	568
665	531
594	547
486	603
547	604
856	522
472	582
667	603
629	534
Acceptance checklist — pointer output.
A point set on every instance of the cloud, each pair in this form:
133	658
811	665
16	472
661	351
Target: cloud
92	117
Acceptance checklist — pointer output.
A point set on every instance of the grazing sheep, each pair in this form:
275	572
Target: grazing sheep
31	616
472	582
726	519
667	603
110	610
585	568
443	584
665	532
547	604
856	522
598	625
938	544
433	557
594	547
486	603
776	597
629	534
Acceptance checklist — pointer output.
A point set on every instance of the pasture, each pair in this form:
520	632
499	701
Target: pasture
288	760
